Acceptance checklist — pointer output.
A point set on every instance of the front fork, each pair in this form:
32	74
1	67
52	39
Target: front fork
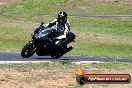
35	45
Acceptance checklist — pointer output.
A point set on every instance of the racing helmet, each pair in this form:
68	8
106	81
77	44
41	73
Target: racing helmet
62	17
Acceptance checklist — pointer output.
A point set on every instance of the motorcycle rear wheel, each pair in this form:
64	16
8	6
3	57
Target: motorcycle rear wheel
28	50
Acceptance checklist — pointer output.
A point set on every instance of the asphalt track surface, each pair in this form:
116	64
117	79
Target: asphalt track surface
17	57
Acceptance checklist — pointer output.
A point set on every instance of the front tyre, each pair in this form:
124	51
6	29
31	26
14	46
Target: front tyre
28	50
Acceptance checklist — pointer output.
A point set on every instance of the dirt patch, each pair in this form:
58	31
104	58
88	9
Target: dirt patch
128	1
103	38
18	24
49	78
10	78
8	1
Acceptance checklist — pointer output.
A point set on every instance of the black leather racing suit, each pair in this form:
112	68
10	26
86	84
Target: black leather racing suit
63	29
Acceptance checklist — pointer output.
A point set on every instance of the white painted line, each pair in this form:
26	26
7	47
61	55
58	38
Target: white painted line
85	62
25	62
9	62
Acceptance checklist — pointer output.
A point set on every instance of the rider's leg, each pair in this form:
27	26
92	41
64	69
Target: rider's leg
70	37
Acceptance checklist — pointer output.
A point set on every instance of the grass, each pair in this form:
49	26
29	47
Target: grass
41	75
104	26
103	50
117	27
72	6
101	37
47	66
116	66
12	38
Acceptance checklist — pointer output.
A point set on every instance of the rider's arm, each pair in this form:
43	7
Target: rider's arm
50	24
68	25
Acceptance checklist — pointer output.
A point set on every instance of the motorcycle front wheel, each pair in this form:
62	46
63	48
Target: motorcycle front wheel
28	50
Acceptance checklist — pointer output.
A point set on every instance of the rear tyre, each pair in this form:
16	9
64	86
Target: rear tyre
28	50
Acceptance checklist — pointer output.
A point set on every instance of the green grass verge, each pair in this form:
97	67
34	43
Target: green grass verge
95	36
14	38
72	6
104	50
65	65
117	27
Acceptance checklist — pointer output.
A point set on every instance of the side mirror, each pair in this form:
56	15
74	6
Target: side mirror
42	23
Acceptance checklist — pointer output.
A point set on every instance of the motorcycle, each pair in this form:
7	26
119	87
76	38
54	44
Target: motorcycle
43	43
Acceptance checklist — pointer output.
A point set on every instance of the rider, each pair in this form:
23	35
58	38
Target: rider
62	26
